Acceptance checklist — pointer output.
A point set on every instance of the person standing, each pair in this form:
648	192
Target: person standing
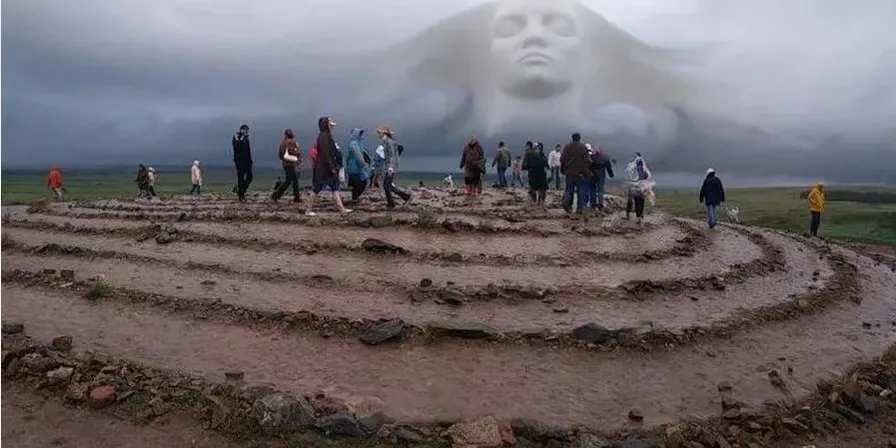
471	161
600	169
326	165
517	172
390	162
575	165
816	200
151	182
502	161
242	158
536	163
290	156
142	181
554	165
357	164
54	182
712	193
639	187
196	179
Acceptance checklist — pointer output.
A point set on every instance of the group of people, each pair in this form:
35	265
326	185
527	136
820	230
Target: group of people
330	167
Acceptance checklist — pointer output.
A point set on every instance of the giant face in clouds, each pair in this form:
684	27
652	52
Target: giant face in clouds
536	47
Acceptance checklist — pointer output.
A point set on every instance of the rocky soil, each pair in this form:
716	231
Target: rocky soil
446	322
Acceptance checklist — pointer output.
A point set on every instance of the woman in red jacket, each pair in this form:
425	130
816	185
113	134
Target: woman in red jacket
54	182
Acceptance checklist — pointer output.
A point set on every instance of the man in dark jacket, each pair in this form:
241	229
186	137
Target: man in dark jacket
575	164
502	161
712	194
242	158
600	169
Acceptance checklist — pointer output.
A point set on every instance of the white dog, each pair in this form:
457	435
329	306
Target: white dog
734	214
448	181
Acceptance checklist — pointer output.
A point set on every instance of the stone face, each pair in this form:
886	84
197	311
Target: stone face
341	424
383	332
62	343
9	327
593	333
101	397
465	330
281	413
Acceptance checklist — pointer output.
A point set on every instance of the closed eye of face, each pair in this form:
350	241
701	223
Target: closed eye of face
509	25
559	24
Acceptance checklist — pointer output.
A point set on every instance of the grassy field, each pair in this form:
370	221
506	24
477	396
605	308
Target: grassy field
861	214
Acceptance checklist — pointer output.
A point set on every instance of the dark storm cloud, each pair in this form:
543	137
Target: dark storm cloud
106	82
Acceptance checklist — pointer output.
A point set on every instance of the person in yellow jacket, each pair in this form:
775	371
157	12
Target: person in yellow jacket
816	206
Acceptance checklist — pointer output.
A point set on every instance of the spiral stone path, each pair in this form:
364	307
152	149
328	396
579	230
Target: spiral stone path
486	308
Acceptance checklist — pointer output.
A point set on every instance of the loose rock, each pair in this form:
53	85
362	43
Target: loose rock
280	413
67	275
451	296
386	331
635	415
62	343
425	283
60	374
593	333
465	330
382	247
341	424
372	423
234	375
101	397
9	327
483	432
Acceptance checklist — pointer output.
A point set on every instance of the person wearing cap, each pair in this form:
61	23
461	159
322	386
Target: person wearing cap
712	194
242	158
816	200
196	178
326	166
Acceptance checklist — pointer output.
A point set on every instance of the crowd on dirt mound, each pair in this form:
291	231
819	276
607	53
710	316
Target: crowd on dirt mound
583	167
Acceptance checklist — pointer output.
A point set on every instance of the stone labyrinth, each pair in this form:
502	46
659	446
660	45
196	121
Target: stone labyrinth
447	310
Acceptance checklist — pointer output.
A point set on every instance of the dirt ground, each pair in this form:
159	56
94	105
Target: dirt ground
212	286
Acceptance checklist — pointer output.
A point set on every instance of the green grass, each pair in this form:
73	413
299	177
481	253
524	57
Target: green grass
869	216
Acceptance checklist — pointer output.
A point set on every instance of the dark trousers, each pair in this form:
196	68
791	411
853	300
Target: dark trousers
638	202
358	186
555	175
814	223
243	178
291	178
390	188
195	189
537	195
502	177
579	189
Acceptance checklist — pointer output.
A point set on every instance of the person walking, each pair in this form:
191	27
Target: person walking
142	181
517	172
575	165
242	158
358	164
195	179
54	182
471	161
712	193
290	156
390	162
816	200
326	166
502	161
151	182
601	168
639	187
554	165
536	163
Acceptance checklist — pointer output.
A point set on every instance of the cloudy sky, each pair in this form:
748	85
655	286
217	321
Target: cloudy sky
112	81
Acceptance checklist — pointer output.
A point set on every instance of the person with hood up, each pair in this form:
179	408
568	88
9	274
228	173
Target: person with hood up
600	170
54	182
640	187
502	161
151	181
712	193
358	164
816	200
195	178
390	163
142	181
327	164
290	156
242	158
536	163
471	162
575	165
554	165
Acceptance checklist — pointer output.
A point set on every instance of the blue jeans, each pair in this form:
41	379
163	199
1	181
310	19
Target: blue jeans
555	174
502	177
579	188
711	215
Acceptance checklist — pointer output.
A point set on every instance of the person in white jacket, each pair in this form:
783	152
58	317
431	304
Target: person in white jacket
196	178
554	165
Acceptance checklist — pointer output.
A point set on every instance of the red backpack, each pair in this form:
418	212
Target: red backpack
313	153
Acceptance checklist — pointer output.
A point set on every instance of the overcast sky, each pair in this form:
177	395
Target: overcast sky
121	80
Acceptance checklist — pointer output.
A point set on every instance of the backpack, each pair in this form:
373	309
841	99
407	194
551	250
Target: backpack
399	149
313	153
